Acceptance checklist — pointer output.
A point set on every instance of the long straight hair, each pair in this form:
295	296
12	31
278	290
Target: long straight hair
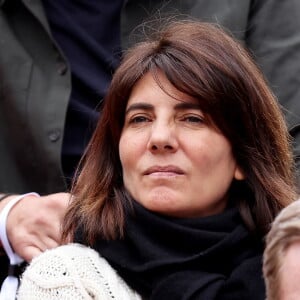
205	62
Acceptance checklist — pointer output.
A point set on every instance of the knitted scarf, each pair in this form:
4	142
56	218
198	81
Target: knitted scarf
206	258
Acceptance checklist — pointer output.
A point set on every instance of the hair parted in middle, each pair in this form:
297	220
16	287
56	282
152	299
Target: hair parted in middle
205	62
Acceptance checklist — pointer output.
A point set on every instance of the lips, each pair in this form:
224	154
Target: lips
163	170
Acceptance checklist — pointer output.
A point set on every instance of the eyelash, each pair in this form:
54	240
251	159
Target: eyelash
193	119
138	119
189	119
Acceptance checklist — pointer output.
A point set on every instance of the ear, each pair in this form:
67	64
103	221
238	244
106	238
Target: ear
239	174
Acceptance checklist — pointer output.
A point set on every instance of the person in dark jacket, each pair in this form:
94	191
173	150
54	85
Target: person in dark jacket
56	61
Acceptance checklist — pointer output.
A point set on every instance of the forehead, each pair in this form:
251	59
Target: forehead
154	87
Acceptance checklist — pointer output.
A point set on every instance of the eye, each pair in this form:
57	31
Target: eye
139	119
193	119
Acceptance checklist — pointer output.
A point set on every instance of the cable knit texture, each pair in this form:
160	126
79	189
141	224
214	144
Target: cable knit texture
72	272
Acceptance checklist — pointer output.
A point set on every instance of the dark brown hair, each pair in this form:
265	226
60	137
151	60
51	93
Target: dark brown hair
206	63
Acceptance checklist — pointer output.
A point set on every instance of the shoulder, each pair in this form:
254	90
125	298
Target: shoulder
71	272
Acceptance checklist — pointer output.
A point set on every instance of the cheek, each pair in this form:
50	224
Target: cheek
210	153
130	149
124	151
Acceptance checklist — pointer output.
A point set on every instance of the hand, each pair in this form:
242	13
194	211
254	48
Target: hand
34	224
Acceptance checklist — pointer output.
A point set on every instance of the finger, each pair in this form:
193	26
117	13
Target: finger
50	243
33	245
30	252
54	233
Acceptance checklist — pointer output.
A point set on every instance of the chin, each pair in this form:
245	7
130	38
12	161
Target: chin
161	200
158	206
162	205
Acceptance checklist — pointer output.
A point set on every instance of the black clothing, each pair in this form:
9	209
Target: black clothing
206	258
89	35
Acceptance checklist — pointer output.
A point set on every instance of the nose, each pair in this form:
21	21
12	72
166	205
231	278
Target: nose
162	138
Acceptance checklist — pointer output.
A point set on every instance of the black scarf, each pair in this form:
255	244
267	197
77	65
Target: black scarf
202	258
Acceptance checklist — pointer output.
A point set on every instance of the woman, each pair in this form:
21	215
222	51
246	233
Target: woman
188	166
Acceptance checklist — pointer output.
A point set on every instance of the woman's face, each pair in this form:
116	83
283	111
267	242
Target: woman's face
173	161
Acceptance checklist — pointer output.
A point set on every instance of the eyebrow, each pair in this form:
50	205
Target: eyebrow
187	105
139	106
147	106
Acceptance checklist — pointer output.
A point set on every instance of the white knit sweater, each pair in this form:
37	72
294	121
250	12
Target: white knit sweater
72	272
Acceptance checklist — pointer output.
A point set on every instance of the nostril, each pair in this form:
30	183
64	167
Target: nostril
169	147
156	147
